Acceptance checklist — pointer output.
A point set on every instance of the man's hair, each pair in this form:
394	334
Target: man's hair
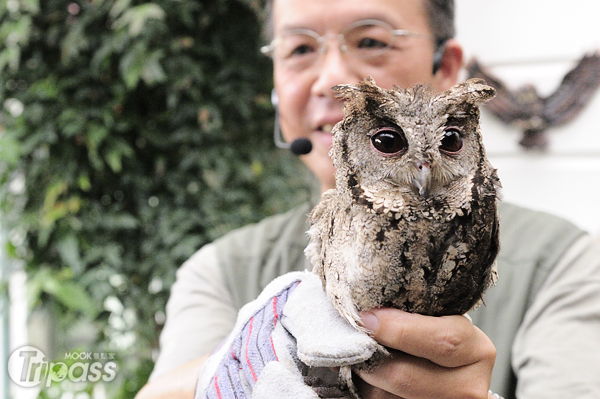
441	18
439	12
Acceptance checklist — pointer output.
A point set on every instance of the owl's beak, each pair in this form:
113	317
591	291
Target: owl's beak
422	179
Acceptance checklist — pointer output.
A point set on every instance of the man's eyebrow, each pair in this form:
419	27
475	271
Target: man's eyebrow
300	22
290	26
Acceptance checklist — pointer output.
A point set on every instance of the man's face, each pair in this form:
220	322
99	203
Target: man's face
306	103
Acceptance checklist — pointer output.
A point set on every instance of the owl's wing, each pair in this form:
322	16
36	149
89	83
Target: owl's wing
505	106
319	219
470	250
574	92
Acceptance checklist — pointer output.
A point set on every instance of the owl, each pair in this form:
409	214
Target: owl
412	222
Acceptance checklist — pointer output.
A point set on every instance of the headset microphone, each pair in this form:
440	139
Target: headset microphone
299	146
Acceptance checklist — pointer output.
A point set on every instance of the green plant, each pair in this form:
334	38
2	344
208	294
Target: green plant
131	133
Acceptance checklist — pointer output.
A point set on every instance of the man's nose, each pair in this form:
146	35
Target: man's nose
334	67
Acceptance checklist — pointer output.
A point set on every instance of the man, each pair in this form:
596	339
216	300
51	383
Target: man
444	357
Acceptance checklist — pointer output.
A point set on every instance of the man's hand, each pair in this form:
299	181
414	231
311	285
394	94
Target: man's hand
179	383
431	357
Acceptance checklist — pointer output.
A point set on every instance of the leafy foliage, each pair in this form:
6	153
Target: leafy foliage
131	134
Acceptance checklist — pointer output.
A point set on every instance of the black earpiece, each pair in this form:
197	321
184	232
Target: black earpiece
439	54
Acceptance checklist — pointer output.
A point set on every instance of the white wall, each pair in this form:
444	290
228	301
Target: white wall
538	42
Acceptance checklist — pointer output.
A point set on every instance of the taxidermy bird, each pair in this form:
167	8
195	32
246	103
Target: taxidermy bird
534	114
412	223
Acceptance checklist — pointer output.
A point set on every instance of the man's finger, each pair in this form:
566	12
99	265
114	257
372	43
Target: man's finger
448	341
407	376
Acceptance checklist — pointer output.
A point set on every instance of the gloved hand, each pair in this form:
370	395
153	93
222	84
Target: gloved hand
284	344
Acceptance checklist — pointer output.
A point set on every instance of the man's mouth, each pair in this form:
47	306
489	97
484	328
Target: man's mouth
326	128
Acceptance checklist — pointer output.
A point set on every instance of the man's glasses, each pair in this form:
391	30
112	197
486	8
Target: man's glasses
363	39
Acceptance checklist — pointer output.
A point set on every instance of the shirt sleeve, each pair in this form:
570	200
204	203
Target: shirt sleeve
556	350
200	312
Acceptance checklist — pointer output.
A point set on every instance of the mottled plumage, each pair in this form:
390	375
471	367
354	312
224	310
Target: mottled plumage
412	223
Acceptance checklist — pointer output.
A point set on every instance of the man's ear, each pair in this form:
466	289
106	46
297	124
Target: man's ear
451	64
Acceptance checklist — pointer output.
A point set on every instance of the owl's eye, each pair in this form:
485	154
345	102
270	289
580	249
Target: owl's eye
452	142
389	141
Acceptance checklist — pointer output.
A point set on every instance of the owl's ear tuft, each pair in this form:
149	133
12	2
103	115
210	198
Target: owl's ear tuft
362	89
360	97
473	91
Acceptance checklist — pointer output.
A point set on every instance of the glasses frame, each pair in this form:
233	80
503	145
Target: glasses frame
269	50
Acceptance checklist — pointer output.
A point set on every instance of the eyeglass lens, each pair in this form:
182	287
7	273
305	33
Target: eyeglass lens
365	40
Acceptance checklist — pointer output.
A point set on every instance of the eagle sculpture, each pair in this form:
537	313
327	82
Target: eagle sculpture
534	114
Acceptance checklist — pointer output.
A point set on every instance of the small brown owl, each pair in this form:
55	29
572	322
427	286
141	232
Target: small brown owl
412	223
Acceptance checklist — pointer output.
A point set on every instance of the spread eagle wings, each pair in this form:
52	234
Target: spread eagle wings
535	114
